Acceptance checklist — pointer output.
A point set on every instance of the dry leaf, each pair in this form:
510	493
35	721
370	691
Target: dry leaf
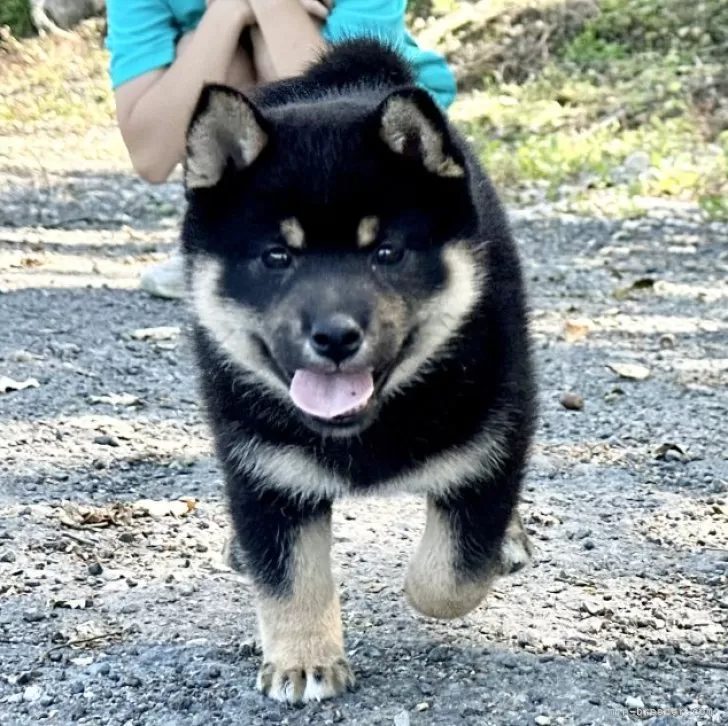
78	516
76	604
643	283
631	371
162	333
575	330
113	399
8	384
163	507
662	449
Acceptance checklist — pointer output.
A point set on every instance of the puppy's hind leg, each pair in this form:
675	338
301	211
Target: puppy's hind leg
287	550
470	538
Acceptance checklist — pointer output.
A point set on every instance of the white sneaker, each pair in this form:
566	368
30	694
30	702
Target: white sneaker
166	279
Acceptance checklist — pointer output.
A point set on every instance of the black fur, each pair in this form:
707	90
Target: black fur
327	165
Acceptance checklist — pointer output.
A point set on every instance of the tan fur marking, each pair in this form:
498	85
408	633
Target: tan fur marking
293	233
367	231
226	130
431	586
441	318
230	324
402	119
301	636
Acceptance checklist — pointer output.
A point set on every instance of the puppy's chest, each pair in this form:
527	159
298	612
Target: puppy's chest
330	471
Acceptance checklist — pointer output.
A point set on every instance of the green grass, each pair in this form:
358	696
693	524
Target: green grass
642	79
16	15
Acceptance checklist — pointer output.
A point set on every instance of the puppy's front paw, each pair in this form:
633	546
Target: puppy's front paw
516	549
301	683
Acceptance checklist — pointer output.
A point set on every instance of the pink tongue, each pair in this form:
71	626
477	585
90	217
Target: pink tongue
327	395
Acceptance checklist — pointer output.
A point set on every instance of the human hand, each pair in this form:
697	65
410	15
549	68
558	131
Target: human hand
239	10
317	8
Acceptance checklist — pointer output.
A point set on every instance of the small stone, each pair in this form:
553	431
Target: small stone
106	440
131	682
424	706
667	341
623	645
95	569
572	401
127	537
8	556
696	638
543	720
634	702
32	693
591	625
402	719
589	545
213	672
100	669
99	464
33	616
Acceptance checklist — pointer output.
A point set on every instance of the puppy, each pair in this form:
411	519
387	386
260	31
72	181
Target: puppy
360	327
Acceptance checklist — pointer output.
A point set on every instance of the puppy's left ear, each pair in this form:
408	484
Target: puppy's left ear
412	126
226	128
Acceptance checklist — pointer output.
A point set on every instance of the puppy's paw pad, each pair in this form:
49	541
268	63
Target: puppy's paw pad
301	684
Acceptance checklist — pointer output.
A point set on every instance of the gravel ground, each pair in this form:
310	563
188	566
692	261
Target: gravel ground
118	611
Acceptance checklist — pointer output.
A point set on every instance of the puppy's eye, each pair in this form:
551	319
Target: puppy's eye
277	258
387	254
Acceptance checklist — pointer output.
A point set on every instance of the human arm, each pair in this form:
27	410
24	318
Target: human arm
154	108
287	37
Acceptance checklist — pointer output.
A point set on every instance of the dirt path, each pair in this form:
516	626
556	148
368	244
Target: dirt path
112	615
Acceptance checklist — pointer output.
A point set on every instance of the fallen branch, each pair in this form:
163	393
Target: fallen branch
697	663
81	641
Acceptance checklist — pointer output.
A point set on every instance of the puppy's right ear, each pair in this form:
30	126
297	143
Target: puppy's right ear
225	129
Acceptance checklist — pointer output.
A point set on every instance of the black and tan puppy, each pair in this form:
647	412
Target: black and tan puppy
360	328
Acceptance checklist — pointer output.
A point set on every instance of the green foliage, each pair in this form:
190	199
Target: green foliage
642	79
16	15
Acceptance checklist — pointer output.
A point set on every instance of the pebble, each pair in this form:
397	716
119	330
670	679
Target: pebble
634	702
106	440
33	616
696	638
95	569
543	720
8	556
32	693
572	401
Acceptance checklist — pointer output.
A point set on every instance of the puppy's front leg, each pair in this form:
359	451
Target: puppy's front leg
288	552
470	538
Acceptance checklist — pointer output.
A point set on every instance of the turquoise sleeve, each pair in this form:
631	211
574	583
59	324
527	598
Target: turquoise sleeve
385	20
142	37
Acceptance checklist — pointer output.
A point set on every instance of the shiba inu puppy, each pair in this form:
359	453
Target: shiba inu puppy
360	327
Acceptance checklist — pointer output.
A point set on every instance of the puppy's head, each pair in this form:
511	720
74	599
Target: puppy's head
327	246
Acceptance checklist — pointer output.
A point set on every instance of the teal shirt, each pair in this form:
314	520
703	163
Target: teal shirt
143	35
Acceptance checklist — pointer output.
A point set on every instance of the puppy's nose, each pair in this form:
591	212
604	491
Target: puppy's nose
336	337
